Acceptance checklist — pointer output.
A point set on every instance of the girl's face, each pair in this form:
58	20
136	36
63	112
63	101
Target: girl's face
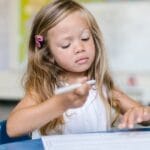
71	44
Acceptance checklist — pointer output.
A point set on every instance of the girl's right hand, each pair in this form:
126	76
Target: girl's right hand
75	98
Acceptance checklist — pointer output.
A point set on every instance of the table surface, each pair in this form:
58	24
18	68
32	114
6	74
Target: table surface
37	144
24	145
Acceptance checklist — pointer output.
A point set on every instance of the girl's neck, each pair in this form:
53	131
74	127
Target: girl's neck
71	78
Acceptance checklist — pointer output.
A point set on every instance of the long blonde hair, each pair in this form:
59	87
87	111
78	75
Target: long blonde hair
42	72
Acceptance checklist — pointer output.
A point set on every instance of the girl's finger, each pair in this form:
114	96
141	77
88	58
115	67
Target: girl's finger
124	120
135	116
146	114
83	90
131	119
140	114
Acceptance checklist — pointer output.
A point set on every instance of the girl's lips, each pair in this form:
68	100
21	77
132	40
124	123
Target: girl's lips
82	60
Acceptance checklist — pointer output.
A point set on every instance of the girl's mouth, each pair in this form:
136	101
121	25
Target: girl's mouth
82	60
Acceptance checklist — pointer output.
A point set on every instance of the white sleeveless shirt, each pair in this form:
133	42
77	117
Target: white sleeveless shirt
91	117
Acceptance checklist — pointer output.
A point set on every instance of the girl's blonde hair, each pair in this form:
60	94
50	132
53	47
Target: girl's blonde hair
42	73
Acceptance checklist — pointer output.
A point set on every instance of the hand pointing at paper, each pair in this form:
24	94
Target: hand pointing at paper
136	115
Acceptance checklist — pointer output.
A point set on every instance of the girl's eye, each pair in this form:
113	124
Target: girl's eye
85	39
65	46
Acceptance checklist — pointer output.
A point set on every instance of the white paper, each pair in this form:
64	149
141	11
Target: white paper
99	141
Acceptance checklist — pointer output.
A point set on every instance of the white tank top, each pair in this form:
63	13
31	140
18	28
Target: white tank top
91	117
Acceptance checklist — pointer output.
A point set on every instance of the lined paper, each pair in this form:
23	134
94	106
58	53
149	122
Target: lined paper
99	141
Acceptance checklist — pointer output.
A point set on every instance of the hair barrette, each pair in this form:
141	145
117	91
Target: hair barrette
39	40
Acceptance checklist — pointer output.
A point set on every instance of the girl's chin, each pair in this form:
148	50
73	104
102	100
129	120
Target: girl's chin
80	70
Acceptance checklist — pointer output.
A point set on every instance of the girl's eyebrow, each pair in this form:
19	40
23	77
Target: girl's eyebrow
70	37
67	37
85	31
62	41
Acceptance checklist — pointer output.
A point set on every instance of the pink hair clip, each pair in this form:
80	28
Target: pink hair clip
39	39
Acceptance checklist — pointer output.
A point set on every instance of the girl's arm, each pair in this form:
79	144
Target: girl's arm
125	102
30	115
133	112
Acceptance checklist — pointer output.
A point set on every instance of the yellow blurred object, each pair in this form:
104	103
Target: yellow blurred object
28	9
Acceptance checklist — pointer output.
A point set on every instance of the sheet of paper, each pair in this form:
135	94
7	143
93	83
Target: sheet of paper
103	141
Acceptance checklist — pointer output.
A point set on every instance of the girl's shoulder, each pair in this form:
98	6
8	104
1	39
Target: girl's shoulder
25	102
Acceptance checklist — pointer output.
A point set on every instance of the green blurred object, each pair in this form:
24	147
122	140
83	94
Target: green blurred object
28	9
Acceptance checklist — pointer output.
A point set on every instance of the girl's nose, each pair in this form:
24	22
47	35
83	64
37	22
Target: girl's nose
79	47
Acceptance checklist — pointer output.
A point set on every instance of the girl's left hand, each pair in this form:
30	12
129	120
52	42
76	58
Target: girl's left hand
135	115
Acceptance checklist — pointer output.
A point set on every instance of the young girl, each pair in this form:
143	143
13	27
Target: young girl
66	47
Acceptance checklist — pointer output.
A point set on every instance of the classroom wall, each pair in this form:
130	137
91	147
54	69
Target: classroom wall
126	29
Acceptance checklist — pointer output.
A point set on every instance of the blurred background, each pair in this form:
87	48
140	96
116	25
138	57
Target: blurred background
125	25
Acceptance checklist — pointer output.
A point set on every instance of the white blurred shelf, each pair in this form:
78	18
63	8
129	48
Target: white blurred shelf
140	91
11	89
10	85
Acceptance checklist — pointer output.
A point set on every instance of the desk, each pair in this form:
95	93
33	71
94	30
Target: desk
104	145
24	145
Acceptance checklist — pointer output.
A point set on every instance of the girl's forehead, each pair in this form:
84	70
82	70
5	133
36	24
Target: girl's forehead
72	23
